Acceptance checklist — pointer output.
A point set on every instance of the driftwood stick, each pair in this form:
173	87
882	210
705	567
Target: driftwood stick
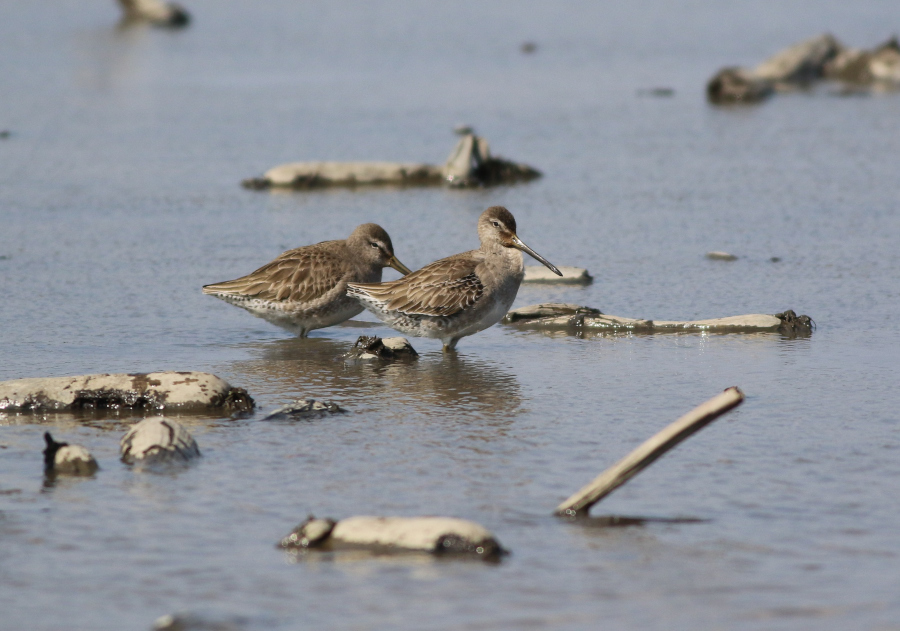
650	450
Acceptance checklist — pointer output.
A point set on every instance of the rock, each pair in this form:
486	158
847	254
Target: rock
182	391
721	256
63	458
155	12
158	440
192	622
805	63
800	64
571	275
437	535
309	175
304	408
469	164
657	92
557	316
881	66
737	85
373	347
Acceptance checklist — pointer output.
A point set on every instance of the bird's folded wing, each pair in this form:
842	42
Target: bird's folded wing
299	275
439	289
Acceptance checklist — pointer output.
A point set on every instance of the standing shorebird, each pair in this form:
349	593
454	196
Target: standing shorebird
306	288
459	295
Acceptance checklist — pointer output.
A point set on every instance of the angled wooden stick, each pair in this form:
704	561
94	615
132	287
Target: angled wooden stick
650	450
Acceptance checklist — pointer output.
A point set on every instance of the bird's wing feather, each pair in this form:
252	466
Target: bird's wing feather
299	275
441	288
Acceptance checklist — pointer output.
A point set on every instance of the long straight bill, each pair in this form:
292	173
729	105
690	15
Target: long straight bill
397	265
520	245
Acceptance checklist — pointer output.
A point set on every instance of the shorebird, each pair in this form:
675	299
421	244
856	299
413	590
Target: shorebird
306	288
459	295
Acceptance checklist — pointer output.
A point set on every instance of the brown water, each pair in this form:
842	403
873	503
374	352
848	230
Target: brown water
119	198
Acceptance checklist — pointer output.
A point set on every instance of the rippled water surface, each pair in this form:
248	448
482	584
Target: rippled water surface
120	197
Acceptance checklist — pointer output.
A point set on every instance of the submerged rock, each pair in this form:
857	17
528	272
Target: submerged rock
805	63
373	347
66	459
559	316
570	275
158	440
469	164
182	391
437	535
304	408
155	12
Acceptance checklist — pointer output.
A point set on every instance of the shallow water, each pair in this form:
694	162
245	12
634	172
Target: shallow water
119	198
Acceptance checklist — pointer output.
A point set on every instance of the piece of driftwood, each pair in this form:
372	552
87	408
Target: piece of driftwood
804	64
642	457
576	318
539	274
470	164
181	391
436	535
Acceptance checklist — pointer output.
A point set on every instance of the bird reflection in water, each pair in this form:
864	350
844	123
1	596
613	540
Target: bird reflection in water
434	385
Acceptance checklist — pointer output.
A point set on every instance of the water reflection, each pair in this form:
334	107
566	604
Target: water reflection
434	384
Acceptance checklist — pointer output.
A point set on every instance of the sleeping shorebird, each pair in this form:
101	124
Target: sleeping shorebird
459	295
306	288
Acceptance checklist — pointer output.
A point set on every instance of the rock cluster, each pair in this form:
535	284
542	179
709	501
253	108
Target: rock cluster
804	64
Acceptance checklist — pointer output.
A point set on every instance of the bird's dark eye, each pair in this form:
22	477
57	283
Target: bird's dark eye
496	224
373	244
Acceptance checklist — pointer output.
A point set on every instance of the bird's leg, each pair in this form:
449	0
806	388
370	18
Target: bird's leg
450	347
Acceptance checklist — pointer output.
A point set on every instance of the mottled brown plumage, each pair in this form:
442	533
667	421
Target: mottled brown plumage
459	295
305	288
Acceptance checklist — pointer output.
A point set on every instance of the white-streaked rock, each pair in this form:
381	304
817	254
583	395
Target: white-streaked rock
570	275
384	534
158	439
183	391
63	458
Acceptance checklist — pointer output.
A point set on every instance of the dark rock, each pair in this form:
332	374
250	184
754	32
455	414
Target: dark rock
304	408
374	347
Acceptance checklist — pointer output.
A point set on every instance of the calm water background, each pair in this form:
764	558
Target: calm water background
119	198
